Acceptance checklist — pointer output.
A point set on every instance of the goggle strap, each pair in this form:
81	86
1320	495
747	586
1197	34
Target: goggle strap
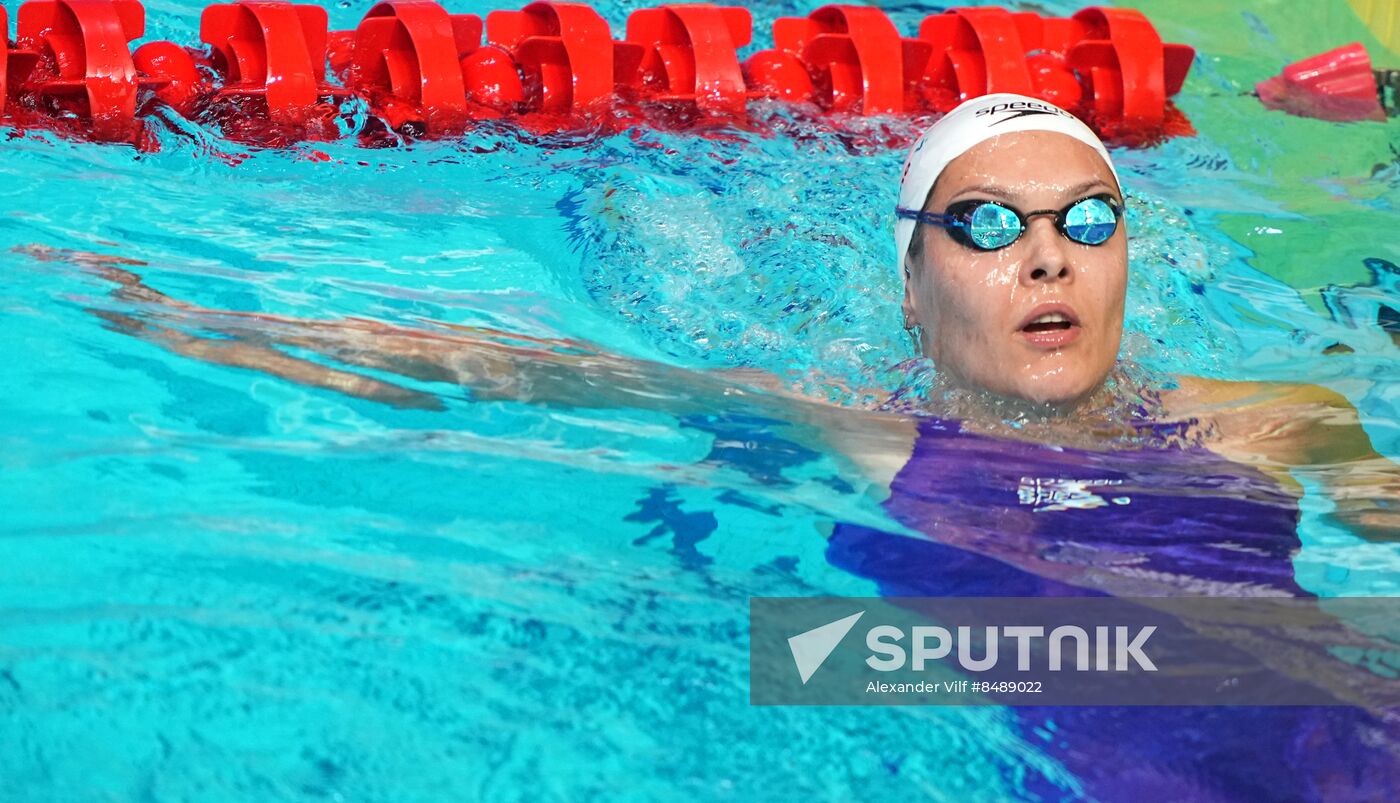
931	218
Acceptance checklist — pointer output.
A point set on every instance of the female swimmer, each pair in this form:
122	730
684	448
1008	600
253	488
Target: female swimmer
1014	257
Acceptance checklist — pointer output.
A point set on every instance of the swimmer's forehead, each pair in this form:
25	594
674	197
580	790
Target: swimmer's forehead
1019	191
1026	165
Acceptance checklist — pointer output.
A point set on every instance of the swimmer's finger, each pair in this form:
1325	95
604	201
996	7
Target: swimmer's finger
130	285
104	265
45	253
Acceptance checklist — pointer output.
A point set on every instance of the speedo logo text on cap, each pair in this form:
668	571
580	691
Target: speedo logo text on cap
1022	108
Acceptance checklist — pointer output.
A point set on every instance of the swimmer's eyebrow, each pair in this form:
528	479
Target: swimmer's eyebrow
1078	190
1004	194
987	189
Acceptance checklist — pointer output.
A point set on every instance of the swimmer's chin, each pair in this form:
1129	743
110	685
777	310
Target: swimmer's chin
1062	403
1055	395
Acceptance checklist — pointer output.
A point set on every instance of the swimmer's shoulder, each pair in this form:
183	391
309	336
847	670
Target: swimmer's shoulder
1270	423
1195	394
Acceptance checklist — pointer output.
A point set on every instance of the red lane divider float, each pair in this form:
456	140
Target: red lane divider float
271	60
261	74
72	60
568	61
5	57
1126	70
407	59
691	55
978	51
845	58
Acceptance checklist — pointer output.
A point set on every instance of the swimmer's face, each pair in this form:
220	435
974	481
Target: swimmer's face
975	306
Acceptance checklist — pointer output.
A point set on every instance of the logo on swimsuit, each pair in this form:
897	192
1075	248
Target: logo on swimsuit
1046	494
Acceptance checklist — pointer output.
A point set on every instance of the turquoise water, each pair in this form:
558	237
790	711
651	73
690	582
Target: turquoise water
218	584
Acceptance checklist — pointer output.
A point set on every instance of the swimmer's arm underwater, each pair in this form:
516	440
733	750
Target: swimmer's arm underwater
240	354
491	365
1293	431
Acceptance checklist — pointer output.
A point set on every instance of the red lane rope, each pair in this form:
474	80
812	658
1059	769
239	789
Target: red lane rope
262	76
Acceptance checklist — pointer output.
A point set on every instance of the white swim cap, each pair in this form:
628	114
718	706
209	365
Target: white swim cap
972	122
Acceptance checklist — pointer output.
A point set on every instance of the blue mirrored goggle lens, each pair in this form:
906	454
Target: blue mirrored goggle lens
989	225
992	226
1091	221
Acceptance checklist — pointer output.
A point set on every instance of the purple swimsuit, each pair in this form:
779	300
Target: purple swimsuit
1003	518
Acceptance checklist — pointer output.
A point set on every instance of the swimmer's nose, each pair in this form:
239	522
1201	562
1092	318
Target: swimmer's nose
1046	257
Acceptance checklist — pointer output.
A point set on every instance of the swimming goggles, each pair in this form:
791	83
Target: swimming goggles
989	225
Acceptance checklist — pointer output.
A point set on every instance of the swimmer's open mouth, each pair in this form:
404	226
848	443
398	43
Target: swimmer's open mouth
1050	326
1053	322
1050	318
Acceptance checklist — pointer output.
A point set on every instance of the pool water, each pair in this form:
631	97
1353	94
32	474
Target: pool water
218	584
